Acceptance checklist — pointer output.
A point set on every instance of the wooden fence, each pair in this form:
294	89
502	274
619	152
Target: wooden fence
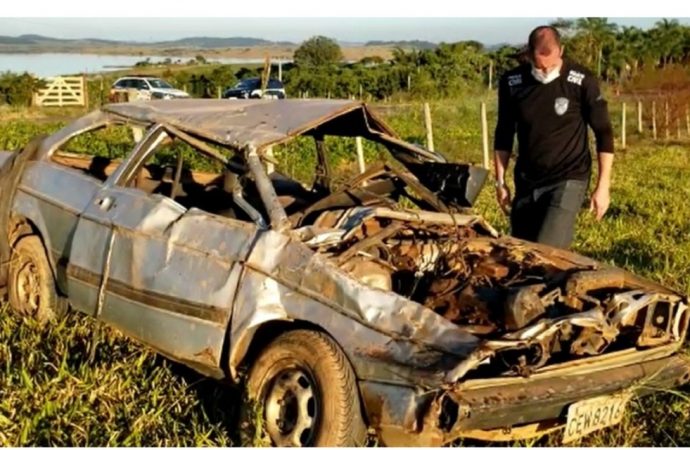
62	91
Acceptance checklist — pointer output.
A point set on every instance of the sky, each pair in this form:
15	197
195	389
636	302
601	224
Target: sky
297	20
488	30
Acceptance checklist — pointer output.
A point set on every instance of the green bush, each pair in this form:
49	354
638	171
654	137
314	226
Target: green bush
18	89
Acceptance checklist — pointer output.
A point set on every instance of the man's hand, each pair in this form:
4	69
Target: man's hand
501	159
503	197
601	197
600	201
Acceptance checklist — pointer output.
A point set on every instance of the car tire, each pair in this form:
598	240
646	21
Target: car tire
301	391
32	290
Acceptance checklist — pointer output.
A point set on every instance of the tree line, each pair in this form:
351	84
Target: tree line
616	54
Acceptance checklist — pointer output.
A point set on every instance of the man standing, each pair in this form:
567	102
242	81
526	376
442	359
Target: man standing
550	102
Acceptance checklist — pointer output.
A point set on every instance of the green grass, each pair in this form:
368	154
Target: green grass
80	383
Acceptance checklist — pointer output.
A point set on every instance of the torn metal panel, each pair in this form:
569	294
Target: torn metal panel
297	267
516	297
237	123
5	156
263	123
375	355
154	257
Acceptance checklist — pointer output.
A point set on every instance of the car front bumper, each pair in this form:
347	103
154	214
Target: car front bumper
492	408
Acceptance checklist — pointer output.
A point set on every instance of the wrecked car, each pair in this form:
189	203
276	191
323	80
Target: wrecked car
382	304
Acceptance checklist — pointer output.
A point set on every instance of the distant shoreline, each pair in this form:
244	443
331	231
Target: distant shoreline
254	52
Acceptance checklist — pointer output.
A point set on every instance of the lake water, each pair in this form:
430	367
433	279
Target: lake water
53	64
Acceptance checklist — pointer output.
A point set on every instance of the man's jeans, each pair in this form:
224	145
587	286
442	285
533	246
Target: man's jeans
547	214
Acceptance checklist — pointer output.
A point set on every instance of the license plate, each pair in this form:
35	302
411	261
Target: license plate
594	414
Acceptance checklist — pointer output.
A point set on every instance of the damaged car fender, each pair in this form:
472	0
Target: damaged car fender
382	333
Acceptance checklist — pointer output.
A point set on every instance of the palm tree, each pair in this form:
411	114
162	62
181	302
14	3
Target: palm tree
597	33
631	45
668	34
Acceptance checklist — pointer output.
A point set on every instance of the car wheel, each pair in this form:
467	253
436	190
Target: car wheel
32	286
301	391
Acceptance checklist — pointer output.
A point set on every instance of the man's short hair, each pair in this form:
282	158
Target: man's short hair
543	40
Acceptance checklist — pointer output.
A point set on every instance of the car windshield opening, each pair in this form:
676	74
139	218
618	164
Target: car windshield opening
159	84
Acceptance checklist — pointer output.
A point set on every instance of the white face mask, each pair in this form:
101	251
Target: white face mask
546	78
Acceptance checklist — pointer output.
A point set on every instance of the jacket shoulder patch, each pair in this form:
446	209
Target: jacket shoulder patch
576	77
514	80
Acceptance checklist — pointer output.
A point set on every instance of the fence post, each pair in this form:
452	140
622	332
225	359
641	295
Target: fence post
100	93
409	82
639	117
678	127
429	128
360	155
280	70
491	73
485	136
654	135
85	91
687	120
667	119
623	117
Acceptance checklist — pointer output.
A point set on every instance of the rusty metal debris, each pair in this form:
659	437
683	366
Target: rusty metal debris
528	307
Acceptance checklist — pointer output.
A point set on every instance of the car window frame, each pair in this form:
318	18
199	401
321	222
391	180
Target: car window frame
277	84
147	146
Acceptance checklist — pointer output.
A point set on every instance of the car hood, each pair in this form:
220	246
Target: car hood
170	91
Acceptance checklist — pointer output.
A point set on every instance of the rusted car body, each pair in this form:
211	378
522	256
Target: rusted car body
450	329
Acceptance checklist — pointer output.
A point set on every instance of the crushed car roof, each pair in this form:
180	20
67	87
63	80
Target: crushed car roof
261	123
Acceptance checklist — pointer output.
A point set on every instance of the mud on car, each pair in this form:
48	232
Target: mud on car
382	304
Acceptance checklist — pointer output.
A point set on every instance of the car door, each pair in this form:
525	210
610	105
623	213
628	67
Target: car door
54	197
91	241
53	193
171	273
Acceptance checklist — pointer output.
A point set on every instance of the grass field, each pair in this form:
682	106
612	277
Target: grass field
80	383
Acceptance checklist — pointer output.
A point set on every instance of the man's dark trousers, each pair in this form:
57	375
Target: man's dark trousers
547	214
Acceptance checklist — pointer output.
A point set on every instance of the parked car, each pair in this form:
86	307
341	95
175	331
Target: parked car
339	308
143	88
251	88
